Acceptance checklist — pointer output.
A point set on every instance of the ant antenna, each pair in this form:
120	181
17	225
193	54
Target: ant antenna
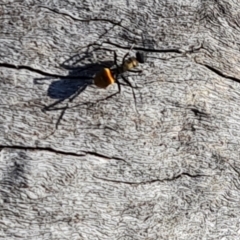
127	53
131	47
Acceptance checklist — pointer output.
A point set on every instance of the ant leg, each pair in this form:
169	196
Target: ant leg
119	86
124	58
129	84
81	89
119	89
60	117
127	81
51	106
135	71
115	59
66	107
63	109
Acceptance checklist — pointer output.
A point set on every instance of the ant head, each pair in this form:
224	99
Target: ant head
140	57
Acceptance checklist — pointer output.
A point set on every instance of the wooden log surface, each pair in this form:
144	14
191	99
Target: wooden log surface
78	164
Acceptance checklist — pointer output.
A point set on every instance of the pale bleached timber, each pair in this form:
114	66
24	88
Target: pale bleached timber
76	166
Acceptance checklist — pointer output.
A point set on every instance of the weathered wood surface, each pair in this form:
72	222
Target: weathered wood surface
166	167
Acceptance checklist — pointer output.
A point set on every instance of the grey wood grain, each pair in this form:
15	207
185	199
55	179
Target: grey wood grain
75	164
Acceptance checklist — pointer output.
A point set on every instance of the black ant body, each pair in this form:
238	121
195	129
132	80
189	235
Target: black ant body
108	76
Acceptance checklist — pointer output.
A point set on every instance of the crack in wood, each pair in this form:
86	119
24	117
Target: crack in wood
19	67
145	49
218	72
154	180
89	19
49	149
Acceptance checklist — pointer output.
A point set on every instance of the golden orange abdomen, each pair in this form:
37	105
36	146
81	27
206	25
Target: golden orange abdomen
104	78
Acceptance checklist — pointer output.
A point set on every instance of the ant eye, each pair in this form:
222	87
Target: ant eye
140	57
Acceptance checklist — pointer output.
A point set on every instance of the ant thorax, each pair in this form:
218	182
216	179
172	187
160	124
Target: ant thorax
129	64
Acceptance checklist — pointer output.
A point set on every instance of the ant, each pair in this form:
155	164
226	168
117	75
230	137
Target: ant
108	76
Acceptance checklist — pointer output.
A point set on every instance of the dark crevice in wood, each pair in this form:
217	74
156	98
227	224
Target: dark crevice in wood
197	112
235	169
19	67
218	72
145	49
154	180
103	156
79	19
49	149
89	19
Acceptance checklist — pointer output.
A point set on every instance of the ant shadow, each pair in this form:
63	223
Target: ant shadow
67	88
